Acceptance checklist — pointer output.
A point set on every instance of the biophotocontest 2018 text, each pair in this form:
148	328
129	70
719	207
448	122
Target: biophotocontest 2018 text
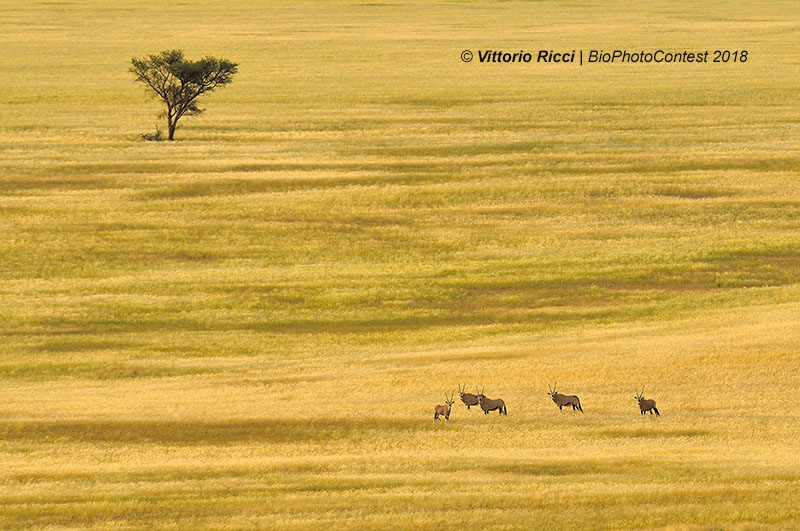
582	57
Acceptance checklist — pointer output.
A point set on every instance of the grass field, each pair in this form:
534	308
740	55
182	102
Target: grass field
250	327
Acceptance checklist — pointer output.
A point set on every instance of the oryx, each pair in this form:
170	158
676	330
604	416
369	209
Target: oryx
468	398
487	404
444	410
565	400
646	405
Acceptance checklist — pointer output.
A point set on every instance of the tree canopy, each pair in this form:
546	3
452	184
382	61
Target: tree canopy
179	82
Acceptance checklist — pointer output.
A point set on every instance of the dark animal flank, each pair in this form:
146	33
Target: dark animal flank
565	400
488	404
444	411
646	405
468	398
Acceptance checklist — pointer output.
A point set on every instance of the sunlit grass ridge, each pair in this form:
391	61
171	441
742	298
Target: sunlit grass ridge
250	327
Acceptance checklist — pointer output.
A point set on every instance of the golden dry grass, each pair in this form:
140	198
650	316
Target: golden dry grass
250	327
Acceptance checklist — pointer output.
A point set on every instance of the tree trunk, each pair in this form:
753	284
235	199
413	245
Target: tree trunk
171	126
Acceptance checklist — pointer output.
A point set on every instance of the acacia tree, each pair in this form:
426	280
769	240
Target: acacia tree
179	82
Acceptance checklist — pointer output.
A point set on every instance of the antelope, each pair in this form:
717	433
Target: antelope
646	405
444	410
565	400
468	398
487	404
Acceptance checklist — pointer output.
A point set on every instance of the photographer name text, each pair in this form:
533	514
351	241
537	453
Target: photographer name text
597	56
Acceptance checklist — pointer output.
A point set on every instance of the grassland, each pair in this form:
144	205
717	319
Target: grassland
249	327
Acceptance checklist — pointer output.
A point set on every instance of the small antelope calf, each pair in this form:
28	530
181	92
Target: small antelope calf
565	400
646	405
444	411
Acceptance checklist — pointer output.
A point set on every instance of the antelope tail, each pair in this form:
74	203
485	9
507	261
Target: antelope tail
579	405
